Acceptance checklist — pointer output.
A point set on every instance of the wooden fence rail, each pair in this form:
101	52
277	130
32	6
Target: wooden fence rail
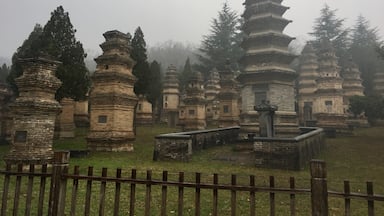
59	191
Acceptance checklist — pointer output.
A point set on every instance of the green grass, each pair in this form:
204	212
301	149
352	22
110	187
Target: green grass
356	158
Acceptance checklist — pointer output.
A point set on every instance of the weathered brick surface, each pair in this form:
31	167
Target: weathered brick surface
34	113
66	119
112	100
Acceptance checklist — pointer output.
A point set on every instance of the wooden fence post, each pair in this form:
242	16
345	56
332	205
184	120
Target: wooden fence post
319	189
58	183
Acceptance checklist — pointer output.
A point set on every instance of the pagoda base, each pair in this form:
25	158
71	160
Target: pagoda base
43	156
144	119
333	124
286	124
110	141
190	125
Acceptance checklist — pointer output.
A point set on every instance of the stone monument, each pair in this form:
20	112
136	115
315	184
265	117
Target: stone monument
143	111
66	123
307	86
194	103
34	113
267	74
81	116
212	89
266	115
228	98
112	100
171	96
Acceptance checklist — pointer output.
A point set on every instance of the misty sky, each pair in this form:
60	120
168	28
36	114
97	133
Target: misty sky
160	20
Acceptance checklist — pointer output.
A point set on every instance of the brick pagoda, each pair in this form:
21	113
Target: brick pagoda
112	100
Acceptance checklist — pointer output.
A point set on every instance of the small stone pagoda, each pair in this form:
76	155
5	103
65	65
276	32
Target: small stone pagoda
306	85
379	83
267	74
81	116
34	113
112	100
5	95
194	104
329	107
143	111
212	89
66	123
171	96
228	98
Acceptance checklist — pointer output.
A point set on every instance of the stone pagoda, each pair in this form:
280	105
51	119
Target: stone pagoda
66	122
194	104
34	113
143	111
171	97
212	89
81	116
5	95
329	107
112	100
306	85
228	98
267	74
378	83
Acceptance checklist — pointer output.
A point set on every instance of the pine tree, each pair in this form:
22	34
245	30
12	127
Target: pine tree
154	86
365	41
29	49
185	74
329	27
4	71
58	40
222	43
141	69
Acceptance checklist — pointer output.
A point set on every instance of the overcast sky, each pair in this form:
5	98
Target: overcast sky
160	20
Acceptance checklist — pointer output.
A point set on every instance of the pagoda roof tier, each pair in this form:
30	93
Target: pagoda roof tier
115	59
115	45
111	76
250	2
265	22
264	7
266	56
267	74
329	91
114	34
267	37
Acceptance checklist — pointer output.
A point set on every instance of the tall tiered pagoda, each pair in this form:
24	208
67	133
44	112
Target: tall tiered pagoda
307	84
329	108
212	89
112	99
194	116
171	97
352	84
267	74
34	113
379	83
228	97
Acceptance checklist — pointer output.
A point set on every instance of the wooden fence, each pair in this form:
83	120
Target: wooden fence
57	191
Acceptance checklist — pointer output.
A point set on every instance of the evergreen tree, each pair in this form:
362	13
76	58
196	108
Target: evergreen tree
222	43
185	74
141	69
154	86
4	71
329	27
29	49
58	40
365	40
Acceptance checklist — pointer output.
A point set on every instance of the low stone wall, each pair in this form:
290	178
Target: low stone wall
288	153
181	146
281	153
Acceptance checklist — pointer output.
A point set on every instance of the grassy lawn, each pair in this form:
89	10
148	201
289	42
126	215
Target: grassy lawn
358	158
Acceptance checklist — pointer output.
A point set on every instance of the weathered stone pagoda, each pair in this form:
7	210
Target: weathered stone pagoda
66	123
34	113
329	107
81	116
143	111
379	83
5	94
112	100
194	104
352	84
267	74
228	98
306	85
212	89
171	97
